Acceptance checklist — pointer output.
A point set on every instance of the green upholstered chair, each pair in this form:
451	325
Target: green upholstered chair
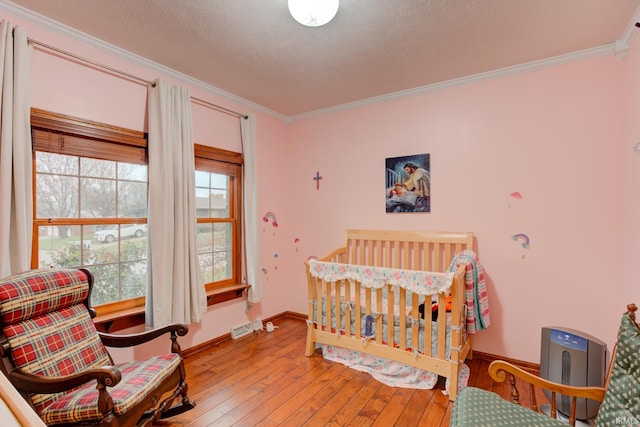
620	399
53	355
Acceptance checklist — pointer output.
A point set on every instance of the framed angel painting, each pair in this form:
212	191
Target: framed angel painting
408	183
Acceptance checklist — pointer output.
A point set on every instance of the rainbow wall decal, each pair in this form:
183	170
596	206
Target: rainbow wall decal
270	216
523	238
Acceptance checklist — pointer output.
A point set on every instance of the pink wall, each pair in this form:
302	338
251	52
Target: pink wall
554	135
631	169
561	136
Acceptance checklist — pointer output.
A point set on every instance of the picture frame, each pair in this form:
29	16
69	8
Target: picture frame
408	183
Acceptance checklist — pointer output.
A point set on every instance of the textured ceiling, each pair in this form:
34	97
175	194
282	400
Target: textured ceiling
256	51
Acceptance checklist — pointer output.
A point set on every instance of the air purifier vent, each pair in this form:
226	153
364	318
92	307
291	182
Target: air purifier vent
572	357
241	330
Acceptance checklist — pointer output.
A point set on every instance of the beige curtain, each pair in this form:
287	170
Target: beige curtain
251	218
175	293
16	214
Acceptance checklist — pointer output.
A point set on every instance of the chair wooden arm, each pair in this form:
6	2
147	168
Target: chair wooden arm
130	340
498	369
107	376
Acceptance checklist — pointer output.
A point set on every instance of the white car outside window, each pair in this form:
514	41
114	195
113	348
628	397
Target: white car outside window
110	234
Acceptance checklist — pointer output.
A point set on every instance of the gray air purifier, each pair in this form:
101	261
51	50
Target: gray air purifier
571	357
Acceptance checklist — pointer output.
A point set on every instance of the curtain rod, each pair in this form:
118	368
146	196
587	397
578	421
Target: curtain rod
135	78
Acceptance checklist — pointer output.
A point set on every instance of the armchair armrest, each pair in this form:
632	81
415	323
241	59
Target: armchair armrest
106	376
130	340
498	369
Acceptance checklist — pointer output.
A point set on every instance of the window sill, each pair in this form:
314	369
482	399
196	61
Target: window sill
129	317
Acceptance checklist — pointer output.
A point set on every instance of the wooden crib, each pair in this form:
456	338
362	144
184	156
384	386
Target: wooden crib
405	252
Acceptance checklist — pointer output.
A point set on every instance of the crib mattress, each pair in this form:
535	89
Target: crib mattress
384	318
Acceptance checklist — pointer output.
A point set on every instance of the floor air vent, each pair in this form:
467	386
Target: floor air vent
241	331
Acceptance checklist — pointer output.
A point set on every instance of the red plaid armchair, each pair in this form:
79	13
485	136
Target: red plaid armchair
53	354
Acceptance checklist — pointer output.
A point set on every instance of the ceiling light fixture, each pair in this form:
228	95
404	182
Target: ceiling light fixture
313	13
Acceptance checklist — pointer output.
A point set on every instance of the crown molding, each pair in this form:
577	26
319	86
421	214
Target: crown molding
516	69
619	48
83	38
623	44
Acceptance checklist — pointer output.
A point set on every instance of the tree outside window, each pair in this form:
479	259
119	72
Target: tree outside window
73	190
90	207
90	204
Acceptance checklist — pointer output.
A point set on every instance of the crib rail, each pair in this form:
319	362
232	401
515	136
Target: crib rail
338	310
410	250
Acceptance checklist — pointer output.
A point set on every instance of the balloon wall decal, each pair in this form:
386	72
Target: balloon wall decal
522	238
516	195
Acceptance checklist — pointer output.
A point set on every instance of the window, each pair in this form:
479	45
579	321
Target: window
90	209
218	182
90	203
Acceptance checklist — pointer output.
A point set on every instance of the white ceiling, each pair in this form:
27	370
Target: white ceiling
254	50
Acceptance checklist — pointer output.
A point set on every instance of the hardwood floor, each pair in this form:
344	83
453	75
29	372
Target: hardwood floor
265	380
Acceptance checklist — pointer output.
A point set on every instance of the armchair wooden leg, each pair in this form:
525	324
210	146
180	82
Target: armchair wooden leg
165	410
186	404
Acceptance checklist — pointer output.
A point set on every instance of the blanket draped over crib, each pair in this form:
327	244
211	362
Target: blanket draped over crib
477	301
369	292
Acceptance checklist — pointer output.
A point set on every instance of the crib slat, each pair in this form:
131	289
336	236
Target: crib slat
415	326
379	250
403	317
347	313
358	310
396	255
406	252
428	328
390	314
353	256
436	265
378	322
319	304
329	306
442	325
449	253
337	304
